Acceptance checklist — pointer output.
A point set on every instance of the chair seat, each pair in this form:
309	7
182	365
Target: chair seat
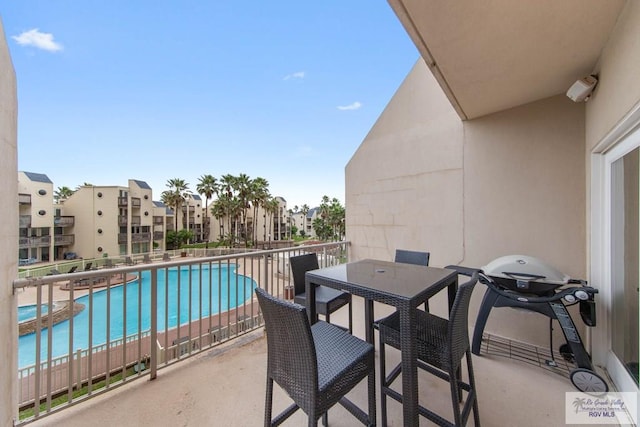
328	300
432	337
339	352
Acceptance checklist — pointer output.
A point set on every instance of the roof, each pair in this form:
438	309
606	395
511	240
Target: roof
491	56
38	177
142	184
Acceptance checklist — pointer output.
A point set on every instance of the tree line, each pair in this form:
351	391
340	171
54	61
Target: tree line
235	198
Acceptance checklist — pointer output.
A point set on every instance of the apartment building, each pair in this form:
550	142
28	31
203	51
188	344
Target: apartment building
44	234
304	221
193	216
112	220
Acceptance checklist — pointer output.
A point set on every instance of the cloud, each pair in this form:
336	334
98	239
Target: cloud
297	75
355	106
37	39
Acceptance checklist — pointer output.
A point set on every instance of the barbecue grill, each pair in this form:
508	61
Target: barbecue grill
529	283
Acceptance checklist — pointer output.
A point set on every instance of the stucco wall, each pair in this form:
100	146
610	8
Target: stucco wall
511	182
618	88
404	183
9	233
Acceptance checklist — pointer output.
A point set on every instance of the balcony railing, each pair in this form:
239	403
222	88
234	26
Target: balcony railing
25	221
122	220
135	238
34	242
64	239
123	201
63	221
158	220
24	199
135	202
158	235
145	334
136	220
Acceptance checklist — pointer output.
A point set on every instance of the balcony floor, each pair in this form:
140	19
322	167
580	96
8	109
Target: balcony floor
225	386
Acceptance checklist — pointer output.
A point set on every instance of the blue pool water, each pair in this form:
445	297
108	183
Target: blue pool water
29	312
236	289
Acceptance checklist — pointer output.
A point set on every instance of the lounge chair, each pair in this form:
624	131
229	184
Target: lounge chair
166	257
146	259
53	272
129	261
73	269
87	266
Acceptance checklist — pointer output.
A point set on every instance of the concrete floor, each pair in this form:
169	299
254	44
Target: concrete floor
225	386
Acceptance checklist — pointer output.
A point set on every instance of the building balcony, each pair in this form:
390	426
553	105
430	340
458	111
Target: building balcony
226	357
226	386
25	221
136	220
122	220
158	235
158	220
64	221
135	202
64	239
123	201
135	238
24	199
34	242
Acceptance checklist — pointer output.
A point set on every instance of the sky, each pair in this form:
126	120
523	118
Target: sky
153	90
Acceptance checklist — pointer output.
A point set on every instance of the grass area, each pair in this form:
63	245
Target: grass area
63	399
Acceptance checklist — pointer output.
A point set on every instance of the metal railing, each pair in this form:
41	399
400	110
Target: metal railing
152	314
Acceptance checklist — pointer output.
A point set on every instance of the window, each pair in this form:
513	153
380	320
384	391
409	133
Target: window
42	192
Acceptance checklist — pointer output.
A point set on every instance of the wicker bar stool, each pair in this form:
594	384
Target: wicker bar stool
327	300
441	345
316	365
413	257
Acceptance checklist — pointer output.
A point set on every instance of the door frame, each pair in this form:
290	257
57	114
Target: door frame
621	140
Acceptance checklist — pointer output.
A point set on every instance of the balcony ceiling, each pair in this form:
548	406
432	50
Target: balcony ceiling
491	55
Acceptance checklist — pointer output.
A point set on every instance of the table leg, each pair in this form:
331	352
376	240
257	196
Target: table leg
368	320
310	292
408	337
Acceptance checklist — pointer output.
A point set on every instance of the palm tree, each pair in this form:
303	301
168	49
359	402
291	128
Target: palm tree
243	186
271	206
207	187
62	193
259	194
175	196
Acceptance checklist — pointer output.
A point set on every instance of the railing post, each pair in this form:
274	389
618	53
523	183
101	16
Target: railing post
154	320
266	272
78	369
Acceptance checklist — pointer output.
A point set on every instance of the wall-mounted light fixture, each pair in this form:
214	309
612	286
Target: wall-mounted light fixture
581	90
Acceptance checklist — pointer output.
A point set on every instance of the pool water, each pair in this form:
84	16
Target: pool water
236	289
29	312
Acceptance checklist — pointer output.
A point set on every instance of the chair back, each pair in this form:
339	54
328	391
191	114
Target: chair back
291	354
459	320
412	257
300	264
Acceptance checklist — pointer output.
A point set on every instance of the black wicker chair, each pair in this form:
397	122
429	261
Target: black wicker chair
413	257
316	365
328	300
441	345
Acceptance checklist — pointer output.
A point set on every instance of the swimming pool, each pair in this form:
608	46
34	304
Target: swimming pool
235	290
29	312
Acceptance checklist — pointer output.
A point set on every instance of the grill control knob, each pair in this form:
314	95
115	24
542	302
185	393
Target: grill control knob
582	295
570	298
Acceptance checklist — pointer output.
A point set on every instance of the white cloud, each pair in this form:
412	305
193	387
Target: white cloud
356	105
296	75
37	39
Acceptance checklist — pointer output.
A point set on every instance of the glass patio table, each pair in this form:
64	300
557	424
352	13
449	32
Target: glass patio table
404	286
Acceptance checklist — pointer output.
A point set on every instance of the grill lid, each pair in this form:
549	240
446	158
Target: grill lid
525	267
